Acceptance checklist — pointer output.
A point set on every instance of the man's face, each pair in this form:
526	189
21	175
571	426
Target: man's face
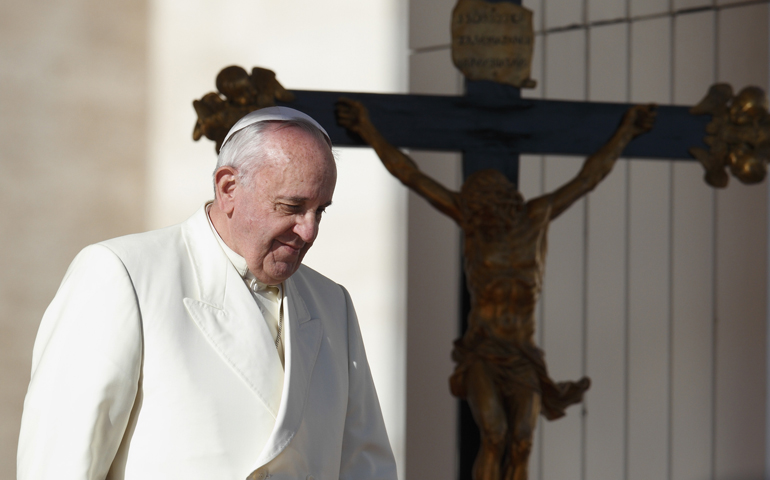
275	219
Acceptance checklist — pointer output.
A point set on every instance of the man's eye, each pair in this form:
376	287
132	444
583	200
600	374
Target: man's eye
291	208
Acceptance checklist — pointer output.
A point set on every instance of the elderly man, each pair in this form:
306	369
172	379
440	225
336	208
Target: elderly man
206	350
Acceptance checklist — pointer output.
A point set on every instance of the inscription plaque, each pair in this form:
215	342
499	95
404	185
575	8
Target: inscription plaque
493	41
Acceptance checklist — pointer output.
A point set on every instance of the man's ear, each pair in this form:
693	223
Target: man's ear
225	184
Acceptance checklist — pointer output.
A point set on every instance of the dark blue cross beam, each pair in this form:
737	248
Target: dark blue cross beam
493	118
491	124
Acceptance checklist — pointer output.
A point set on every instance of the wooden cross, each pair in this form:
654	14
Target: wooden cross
491	125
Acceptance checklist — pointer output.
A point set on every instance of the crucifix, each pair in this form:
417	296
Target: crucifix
491	124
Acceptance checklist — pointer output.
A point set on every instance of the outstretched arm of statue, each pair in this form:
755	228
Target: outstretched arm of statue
354	116
637	120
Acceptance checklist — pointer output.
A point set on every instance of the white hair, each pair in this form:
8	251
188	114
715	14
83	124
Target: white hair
244	150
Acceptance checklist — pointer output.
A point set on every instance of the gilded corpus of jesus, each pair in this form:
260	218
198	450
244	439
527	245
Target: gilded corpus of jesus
500	371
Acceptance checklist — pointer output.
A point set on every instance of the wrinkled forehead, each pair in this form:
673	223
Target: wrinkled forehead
322	142
299	153
296	143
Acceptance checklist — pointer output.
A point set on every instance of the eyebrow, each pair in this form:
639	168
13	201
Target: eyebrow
302	200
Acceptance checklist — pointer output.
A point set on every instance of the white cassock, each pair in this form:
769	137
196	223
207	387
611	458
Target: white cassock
154	361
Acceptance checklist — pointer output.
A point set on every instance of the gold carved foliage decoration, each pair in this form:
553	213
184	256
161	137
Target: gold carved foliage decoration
238	94
738	135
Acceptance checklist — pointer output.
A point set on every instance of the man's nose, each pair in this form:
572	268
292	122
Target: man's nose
307	227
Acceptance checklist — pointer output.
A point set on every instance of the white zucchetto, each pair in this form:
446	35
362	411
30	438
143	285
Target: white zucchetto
270	114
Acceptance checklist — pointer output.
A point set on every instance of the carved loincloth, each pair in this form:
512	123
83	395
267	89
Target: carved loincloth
512	368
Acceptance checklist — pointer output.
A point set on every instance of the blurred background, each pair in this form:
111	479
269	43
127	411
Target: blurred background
656	285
